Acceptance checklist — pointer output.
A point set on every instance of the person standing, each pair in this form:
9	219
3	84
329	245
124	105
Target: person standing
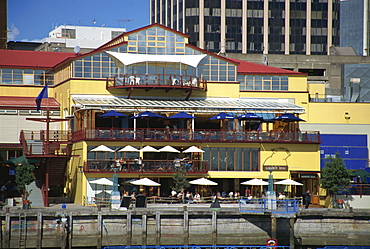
307	198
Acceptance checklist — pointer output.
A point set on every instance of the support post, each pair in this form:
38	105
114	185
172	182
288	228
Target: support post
273	227
100	230
129	228
158	228
214	227
39	230
291	233
144	222
186	227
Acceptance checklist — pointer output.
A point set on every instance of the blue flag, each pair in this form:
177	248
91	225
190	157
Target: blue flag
43	95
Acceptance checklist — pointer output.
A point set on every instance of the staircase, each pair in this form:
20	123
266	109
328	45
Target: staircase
35	197
57	168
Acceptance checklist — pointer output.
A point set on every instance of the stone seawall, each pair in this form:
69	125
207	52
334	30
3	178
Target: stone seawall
181	225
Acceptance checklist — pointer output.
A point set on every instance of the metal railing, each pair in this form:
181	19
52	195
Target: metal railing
163	134
147	166
156	80
268	205
40	143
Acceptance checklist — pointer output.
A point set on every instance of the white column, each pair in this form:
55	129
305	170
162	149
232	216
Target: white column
365	30
308	28
287	27
201	24
330	26
265	26
244	27
223	26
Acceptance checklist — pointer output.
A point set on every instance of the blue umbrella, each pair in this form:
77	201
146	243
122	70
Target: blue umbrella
249	116
182	115
288	117
112	114
221	116
148	114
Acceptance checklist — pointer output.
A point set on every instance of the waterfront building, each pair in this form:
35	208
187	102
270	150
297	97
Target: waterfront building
155	69
253	26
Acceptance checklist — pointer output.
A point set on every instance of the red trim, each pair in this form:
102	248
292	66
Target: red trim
11	102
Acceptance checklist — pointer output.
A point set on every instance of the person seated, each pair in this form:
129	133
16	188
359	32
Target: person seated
196	197
177	162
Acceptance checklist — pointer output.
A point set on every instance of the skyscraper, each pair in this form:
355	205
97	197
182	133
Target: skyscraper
253	26
354	26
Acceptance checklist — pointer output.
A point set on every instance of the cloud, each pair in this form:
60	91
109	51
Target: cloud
13	32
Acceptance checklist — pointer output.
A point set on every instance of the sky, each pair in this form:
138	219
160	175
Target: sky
32	20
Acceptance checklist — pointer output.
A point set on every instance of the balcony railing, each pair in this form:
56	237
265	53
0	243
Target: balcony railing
147	166
36	142
156	80
197	135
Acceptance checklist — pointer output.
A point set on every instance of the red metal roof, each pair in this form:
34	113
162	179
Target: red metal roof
32	59
8	102
246	67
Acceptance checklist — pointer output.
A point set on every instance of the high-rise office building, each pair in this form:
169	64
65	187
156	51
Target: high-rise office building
253	26
354	26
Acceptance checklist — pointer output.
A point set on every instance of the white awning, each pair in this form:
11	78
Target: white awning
237	106
128	59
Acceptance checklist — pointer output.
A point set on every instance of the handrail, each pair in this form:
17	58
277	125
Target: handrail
156	80
211	135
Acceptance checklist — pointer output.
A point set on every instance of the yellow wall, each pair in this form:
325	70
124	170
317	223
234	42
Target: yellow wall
228	90
299	158
318	88
334	113
297	83
23	91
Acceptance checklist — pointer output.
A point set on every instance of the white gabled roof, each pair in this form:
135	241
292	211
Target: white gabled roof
128	59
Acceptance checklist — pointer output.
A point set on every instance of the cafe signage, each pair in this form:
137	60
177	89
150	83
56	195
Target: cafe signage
275	168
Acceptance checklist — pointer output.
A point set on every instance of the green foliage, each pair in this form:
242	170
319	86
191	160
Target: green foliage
179	178
24	175
335	176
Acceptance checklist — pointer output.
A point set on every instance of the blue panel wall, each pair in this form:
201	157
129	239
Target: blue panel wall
352	148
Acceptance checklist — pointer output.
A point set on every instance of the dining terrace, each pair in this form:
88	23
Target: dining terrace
156	81
145	166
202	135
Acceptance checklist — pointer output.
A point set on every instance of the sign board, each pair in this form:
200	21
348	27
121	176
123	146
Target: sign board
308	176
275	168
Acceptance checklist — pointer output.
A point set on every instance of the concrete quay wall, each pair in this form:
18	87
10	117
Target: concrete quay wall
44	228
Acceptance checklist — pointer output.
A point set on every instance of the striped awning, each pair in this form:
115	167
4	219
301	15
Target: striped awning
196	105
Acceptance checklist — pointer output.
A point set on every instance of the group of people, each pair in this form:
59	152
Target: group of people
122	163
186	162
188	196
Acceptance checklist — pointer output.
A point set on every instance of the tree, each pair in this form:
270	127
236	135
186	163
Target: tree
179	178
335	176
24	176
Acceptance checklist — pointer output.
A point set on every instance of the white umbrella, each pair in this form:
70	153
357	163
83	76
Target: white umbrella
128	148
193	149
168	148
203	181
288	182
145	182
149	149
255	182
103	181
102	148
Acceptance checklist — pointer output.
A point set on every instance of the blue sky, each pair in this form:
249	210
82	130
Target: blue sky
32	20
